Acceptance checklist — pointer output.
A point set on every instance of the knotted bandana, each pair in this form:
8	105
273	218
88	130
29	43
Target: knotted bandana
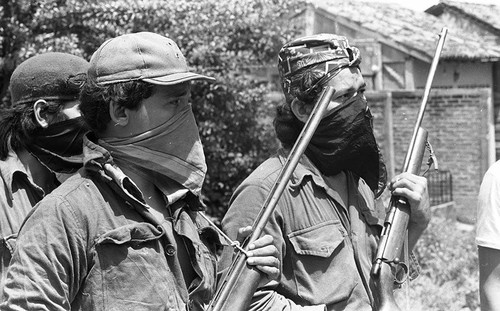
60	146
344	140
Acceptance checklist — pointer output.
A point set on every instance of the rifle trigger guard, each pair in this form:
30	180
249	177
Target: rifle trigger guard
400	276
404	276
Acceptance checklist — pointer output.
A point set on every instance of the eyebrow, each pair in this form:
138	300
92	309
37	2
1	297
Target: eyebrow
353	89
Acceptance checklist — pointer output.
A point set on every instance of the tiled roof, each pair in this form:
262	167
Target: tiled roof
487	13
411	29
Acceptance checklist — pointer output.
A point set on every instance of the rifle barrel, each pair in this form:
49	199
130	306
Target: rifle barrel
229	296
427	90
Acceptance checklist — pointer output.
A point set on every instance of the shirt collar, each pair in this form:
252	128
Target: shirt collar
11	167
359	192
305	168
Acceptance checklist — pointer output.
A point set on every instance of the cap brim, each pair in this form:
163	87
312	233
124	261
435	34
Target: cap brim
176	78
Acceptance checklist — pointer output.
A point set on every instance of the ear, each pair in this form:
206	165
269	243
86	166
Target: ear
118	114
301	110
41	116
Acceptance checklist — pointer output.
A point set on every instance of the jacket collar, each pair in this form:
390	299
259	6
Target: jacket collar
359	193
12	168
306	169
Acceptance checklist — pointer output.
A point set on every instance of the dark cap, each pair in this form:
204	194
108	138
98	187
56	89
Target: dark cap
144	56
48	76
306	62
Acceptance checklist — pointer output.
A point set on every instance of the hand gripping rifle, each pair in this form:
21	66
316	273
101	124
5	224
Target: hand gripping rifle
391	242
240	283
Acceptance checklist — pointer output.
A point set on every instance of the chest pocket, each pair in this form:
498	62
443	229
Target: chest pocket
324	268
131	272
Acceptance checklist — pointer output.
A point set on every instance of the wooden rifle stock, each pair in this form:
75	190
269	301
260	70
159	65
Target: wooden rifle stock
240	283
391	243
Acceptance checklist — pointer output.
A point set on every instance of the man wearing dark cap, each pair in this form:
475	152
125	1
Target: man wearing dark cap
41	134
125	232
325	225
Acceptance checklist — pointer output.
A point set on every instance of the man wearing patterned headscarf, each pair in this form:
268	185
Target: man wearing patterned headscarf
326	225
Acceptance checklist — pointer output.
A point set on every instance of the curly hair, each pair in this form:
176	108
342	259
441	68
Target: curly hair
95	100
286	125
18	125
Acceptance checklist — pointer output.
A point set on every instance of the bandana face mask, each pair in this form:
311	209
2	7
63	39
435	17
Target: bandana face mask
171	151
344	140
60	146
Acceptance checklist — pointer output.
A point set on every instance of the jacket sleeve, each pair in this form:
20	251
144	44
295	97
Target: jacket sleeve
245	205
49	262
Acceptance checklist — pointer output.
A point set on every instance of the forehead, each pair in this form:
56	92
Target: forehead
172	90
347	79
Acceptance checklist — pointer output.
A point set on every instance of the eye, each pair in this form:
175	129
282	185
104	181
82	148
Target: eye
177	101
347	96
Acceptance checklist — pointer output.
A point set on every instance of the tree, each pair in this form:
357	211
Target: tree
224	39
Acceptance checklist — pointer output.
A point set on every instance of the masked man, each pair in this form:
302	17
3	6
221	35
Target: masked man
39	136
325	225
125	232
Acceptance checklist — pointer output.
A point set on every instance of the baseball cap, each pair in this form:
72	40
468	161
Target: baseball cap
308	62
145	56
48	76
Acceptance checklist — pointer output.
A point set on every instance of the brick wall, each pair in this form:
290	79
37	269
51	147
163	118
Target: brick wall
457	121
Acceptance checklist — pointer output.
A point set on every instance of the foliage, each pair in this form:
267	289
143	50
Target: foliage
449	276
225	39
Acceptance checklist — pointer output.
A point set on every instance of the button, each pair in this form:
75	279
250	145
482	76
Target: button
170	250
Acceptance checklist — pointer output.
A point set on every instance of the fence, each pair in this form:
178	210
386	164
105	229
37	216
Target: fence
440	187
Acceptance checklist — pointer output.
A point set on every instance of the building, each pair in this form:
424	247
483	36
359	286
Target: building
398	45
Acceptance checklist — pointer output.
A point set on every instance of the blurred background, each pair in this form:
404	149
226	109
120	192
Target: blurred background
237	42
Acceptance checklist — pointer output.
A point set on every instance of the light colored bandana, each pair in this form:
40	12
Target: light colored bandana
171	151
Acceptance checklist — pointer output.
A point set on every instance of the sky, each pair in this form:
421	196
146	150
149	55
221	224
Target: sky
422	5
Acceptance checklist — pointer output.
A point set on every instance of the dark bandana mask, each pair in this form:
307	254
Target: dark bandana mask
59	146
344	140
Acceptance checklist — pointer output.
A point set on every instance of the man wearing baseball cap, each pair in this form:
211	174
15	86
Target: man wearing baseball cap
325	225
40	136
125	233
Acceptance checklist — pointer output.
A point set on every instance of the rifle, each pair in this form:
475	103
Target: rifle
240	283
393	234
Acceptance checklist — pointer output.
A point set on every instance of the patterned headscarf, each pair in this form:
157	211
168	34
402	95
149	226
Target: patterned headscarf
344	140
308	63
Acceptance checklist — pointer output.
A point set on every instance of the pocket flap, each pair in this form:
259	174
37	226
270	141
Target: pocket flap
319	240
136	233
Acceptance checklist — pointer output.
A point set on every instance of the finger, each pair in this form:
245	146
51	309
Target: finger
410	195
417	185
416	179
243	232
272	273
260	242
269	250
272	261
408	178
269	265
